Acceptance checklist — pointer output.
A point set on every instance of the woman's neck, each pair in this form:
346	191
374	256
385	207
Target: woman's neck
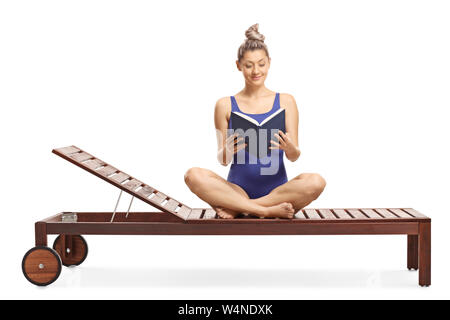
253	92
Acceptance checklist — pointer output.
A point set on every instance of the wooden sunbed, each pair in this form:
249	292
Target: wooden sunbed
41	265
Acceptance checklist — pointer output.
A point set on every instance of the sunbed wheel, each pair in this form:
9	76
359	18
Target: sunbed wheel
41	265
76	254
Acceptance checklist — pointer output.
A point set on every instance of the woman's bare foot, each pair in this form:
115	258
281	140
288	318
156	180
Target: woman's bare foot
226	213
282	210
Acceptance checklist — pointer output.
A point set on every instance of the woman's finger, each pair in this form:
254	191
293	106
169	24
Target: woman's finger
239	147
284	135
232	137
280	139
276	144
274	148
232	143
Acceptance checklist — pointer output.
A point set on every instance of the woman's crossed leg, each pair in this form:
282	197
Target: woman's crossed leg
229	199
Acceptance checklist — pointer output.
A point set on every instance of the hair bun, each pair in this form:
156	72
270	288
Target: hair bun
253	34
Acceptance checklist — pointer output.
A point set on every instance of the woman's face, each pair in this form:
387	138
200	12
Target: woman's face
254	66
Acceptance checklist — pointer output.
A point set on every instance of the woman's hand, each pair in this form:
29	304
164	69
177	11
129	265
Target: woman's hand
232	146
285	143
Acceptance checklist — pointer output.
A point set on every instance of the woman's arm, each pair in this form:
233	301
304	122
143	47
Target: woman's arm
290	106
221	124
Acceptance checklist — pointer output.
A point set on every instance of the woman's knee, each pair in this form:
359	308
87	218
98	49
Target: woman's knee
193	176
316	184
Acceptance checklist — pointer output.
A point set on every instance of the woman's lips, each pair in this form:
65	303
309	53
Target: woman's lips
253	78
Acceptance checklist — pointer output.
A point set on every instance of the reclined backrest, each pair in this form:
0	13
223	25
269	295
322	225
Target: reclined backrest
123	181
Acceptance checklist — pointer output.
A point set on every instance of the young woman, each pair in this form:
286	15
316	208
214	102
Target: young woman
246	190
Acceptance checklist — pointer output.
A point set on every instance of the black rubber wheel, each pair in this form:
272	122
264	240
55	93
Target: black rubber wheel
77	255
41	265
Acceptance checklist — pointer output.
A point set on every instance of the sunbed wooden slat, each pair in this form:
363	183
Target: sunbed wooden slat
184	212
145	191
415	213
80	156
401	213
342	214
299	215
356	214
93	164
120	177
132	184
372	214
106	171
158	198
209	214
171	205
312	214
327	214
196	213
385	213
68	150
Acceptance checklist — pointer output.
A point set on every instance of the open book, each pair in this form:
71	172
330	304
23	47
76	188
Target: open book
259	136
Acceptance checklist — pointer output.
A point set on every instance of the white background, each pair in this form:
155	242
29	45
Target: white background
135	84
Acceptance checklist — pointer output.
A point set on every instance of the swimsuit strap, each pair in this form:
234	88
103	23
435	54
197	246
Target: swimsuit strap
275	106
234	105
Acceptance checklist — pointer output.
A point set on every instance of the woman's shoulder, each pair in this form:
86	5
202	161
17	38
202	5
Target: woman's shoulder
287	97
287	101
223	106
224	100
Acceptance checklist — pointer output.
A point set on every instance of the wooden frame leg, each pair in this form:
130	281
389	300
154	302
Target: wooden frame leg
413	252
424	253
40	230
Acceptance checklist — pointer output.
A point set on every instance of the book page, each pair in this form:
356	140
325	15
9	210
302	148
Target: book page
246	117
271	116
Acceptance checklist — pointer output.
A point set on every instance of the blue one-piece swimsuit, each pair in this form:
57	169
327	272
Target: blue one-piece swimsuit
248	175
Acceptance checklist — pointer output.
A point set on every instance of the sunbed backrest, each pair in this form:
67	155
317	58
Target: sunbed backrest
123	181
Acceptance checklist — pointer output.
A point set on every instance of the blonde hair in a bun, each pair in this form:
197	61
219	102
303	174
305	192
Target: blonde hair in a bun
254	41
